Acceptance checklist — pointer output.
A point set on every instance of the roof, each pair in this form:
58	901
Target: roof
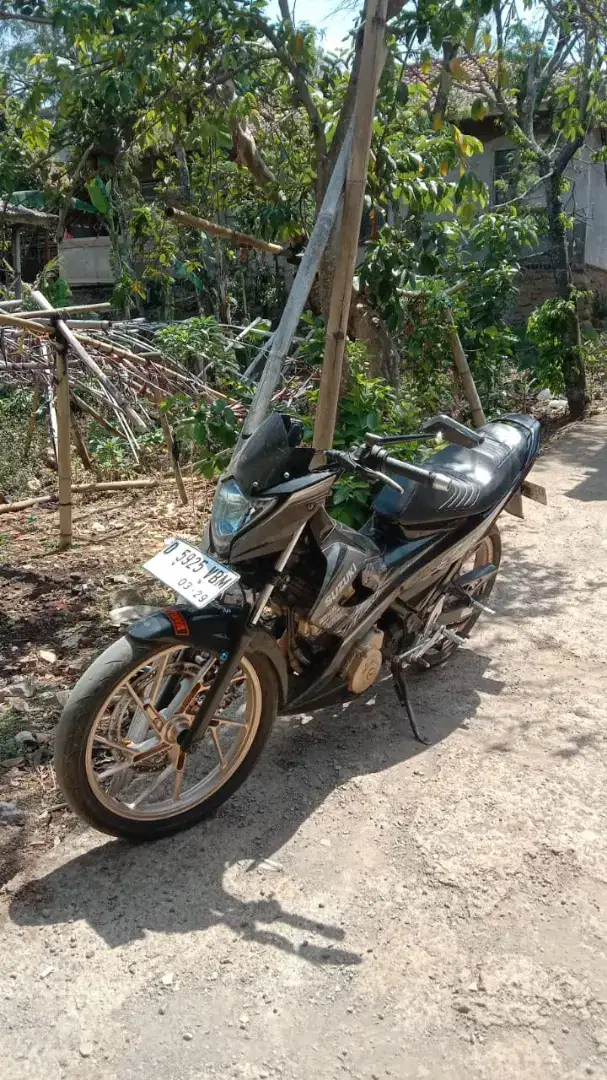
35	199
17	214
467	86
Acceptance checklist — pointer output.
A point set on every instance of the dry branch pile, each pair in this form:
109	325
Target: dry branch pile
117	362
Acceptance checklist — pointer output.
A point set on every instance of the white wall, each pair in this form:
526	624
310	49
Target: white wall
596	232
586	200
85	260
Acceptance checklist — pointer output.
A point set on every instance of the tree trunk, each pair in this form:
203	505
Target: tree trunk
184	175
365	324
574	372
444	86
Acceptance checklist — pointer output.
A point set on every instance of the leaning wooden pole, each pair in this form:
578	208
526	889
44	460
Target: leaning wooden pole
190	221
16	257
79	443
170	445
465	375
371	64
31	424
308	268
64	459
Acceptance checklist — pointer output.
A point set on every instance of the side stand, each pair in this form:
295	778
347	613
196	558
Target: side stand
402	693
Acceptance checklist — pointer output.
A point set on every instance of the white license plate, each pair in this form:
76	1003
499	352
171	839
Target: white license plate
195	576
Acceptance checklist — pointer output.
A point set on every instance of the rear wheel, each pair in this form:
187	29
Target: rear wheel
487	552
126	775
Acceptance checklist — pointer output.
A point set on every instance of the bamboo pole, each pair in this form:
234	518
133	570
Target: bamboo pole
31	424
64	461
308	267
116	350
84	405
168	438
79	443
371	64
109	347
52	414
81	489
238	239
16	321
90	324
24	504
465	375
64	312
16	260
115	485
92	365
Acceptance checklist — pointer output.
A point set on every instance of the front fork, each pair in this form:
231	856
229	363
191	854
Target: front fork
228	667
214	697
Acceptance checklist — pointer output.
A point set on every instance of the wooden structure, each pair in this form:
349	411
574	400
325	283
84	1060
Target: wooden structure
17	218
43	348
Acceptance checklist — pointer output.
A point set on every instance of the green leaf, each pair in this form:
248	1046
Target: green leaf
470	37
99	196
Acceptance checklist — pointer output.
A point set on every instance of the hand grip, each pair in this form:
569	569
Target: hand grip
436	480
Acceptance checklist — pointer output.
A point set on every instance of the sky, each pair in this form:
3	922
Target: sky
323	14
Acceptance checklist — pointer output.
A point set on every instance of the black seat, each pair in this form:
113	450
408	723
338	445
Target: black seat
484	475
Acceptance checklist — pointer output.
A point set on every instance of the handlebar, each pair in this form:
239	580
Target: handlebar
356	461
436	480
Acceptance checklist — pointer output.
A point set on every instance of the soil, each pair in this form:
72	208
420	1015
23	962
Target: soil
364	906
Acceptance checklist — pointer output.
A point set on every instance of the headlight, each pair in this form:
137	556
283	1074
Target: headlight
232	510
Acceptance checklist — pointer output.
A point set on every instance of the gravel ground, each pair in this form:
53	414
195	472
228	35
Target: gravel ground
365	906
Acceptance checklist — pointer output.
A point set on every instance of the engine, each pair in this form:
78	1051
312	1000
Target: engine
364	663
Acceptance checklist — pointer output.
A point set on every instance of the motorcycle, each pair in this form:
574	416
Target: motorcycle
286	610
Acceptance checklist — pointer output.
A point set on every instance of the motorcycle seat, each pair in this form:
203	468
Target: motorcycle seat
483	475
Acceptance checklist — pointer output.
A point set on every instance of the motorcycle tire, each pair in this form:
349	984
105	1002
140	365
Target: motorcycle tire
74	759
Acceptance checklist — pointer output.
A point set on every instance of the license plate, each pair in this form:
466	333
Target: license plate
195	576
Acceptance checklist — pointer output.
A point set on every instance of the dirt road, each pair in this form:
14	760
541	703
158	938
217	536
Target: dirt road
365	907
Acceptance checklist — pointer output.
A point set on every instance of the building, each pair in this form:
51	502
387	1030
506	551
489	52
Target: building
586	202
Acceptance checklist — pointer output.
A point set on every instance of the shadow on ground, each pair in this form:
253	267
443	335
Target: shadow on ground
177	885
529	590
585	443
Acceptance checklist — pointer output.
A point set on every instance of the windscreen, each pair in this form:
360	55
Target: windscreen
264	457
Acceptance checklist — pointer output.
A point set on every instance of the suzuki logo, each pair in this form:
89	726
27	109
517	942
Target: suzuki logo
337	590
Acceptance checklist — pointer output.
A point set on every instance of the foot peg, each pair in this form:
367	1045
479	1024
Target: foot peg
402	693
457	639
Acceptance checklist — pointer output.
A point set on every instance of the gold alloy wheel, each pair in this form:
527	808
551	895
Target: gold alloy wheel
133	762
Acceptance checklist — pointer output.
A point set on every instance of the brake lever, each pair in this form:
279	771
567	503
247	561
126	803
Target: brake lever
384	479
355	465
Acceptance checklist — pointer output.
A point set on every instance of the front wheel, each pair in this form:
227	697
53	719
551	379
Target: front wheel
125	774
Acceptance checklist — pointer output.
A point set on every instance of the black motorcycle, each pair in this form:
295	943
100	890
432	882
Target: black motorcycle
287	611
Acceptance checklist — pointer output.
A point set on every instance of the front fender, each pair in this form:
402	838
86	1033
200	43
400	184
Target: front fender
217	628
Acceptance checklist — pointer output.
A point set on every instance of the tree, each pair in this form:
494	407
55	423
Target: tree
212	89
551	65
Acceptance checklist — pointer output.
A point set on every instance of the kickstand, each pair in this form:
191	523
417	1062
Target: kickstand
402	693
